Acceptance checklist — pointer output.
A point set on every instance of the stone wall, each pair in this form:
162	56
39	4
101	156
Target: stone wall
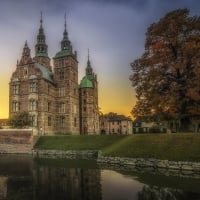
71	154
16	141
172	168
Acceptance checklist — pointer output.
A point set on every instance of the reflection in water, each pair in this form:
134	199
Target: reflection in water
117	186
157	193
21	178
3	187
62	183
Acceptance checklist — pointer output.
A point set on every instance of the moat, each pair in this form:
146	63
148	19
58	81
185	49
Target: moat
25	178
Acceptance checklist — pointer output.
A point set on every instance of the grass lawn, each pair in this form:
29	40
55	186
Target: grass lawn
177	147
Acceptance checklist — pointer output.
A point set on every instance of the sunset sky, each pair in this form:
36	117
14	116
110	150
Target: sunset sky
113	30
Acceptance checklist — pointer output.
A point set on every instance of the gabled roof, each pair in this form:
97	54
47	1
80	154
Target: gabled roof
46	73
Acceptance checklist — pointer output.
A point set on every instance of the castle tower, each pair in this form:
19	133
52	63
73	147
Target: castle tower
88	97
41	48
18	86
66	79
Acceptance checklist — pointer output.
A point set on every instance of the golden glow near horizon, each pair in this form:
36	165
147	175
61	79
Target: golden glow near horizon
4	99
113	99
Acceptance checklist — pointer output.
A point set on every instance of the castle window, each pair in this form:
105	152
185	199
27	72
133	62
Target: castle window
61	107
33	86
15	106
84	101
49	120
84	109
62	63
16	89
49	106
25	71
62	121
74	121
32	105
62	75
61	91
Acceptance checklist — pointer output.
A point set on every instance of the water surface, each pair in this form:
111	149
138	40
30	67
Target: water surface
23	178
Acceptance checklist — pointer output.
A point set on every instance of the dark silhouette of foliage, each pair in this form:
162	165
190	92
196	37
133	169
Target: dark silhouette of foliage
166	77
20	120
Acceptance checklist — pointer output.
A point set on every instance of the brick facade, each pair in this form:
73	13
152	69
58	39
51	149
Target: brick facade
50	96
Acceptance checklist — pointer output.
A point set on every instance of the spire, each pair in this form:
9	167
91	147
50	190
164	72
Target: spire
41	47
89	70
26	50
26	55
66	47
65	34
65	43
65	24
41	20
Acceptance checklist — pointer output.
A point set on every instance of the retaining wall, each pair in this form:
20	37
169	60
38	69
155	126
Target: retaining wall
172	168
72	154
16	141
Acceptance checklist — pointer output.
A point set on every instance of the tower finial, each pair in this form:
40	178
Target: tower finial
41	19
88	54
26	45
65	23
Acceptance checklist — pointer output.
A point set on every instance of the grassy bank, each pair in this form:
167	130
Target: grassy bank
177	147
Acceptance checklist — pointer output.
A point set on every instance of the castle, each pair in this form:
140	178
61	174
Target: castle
55	101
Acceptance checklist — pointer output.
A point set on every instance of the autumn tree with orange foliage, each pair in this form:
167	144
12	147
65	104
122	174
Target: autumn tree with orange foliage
166	77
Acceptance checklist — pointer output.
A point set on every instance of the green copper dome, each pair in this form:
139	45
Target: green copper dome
63	53
85	83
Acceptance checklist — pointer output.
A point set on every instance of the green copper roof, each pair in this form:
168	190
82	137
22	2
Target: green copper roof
63	53
90	77
46	73
41	54
85	83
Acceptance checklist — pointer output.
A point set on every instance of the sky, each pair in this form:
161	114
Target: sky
113	30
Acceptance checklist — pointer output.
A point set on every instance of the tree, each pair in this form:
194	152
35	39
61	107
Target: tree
166	77
20	120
